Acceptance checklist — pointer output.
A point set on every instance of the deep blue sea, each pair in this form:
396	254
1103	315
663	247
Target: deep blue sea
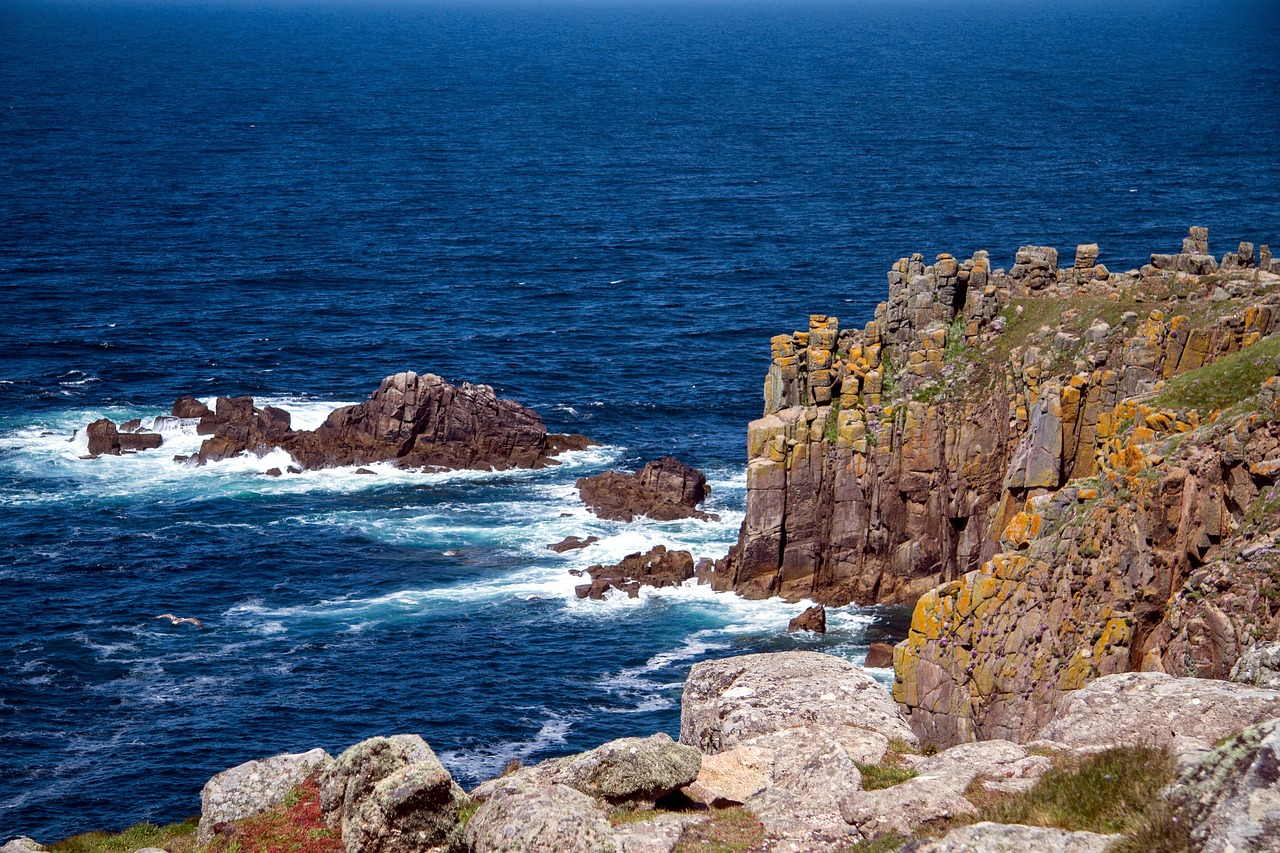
604	211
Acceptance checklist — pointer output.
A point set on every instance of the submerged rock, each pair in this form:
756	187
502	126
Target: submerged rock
572	543
663	490
254	787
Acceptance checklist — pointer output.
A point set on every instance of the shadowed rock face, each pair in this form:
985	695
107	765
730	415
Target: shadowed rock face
411	421
663	490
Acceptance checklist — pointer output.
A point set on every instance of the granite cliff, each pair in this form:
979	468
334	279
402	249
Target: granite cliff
1069	472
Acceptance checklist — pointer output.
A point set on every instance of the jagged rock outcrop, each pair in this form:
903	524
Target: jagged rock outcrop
812	619
891	459
238	426
664	490
656	568
253	787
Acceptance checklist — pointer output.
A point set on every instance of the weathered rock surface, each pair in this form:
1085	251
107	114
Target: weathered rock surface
390	795
1012	838
22	844
660	834
103	438
663	490
879	656
657	568
1151	708
254	787
540	818
812	619
1232	797
622	771
729	701
1259	666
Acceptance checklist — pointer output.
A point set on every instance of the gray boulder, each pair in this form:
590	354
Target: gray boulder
1151	708
729	701
626	770
1012	838
22	844
539	818
660	834
254	787
1232	797
391	795
1259	666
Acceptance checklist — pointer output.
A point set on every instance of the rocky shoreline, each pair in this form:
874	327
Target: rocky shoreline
1071	474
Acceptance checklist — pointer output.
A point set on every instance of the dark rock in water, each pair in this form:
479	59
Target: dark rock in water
134	425
140	440
558	443
272	472
240	427
189	407
658	568
572	543
365	471
294	469
103	438
814	619
879	656
423	421
663	490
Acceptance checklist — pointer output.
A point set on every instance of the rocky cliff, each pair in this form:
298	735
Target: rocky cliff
1071	472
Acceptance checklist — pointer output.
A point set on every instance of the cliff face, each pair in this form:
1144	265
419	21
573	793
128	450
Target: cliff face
1072	472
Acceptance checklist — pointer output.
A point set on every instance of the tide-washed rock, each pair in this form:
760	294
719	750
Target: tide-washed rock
658	568
104	439
391	795
572	543
1232	797
240	427
540	818
413	810
1151	708
1259	666
629	769
187	406
254	787
22	844
663	490
812	619
1012	838
879	656
729	701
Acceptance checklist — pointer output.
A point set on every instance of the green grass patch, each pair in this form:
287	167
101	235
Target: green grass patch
890	842
732	830
178	837
885	775
1224	382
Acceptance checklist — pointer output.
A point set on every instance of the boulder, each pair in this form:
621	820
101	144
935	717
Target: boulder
879	656
103	438
539	818
189	407
626	770
901	808
1151	708
813	619
1232	797
572	543
140	440
729	701
658	568
391	795
22	844
254	787
663	490
660	834
1012	838
1259	666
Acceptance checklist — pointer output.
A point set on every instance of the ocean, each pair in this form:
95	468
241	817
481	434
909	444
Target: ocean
602	210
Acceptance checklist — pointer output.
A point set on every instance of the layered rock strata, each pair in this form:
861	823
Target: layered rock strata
890	459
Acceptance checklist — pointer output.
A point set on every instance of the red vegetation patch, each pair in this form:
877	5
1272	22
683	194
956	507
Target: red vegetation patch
295	826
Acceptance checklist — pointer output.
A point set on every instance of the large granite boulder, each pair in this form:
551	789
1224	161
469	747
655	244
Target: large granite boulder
630	769
1232	797
1012	838
104	438
539	818
1259	666
727	702
391	795
658	568
1151	708
254	787
663	490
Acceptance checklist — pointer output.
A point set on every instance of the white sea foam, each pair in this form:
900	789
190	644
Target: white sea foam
486	762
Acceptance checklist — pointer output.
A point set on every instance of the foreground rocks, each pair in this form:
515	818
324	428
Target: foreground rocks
254	787
663	490
1004	838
